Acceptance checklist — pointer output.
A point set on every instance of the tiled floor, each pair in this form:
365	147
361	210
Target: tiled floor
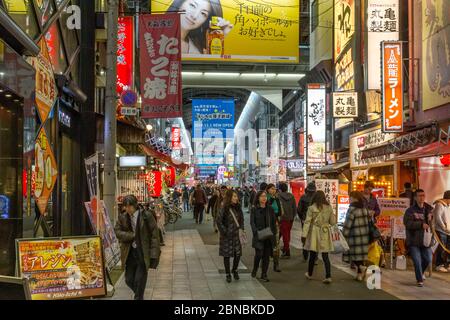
396	282
190	270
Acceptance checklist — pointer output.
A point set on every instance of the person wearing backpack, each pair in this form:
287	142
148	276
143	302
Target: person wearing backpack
417	221
316	231
140	250
229	221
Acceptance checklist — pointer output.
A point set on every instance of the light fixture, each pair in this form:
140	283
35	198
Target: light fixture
291	75
8	95
149	127
222	74
142	168
191	73
102	72
255	75
2	74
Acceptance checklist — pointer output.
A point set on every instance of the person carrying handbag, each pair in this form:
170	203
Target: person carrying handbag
262	221
319	219
230	223
417	221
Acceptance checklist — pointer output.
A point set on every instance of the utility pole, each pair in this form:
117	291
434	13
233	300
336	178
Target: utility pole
109	186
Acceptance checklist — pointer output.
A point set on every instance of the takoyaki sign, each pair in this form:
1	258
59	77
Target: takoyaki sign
45	171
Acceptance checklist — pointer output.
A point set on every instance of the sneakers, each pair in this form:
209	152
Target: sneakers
327	281
441	269
420	284
308	276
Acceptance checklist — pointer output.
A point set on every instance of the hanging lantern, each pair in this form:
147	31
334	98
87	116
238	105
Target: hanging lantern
445	160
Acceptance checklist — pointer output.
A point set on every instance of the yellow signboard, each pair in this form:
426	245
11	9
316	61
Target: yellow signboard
228	30
62	268
344	25
435	53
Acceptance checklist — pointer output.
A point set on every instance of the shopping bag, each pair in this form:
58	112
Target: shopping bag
374	254
427	238
400	263
339	243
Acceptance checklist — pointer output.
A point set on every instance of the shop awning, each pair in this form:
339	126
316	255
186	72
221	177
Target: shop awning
149	151
404	143
335	167
432	150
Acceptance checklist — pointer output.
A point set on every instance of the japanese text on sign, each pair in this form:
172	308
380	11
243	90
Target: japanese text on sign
345	104
392	91
331	189
125	54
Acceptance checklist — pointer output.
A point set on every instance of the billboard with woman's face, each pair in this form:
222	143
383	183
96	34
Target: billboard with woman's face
227	30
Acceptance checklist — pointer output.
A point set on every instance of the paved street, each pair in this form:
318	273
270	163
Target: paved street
190	268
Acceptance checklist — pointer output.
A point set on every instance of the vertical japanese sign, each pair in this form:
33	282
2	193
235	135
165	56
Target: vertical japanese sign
46	90
290	137
392	86
100	221
153	180
176	138
315	119
382	25
343	203
344	25
345	104
46	171
63	268
160	66
331	189
125	54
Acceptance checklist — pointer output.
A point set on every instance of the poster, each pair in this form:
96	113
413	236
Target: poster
345	104
399	230
343	204
331	189
344	25
384	225
237	31
435	53
213	118
46	171
46	90
382	25
316	126
392	86
290	137
63	268
125	54
282	170
394	207
92	166
111	247
160	66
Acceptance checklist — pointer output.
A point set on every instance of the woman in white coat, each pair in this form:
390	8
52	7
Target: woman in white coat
316	229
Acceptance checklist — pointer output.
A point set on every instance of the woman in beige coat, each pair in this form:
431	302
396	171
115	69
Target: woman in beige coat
316	229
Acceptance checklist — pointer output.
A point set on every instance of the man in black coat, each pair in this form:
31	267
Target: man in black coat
302	208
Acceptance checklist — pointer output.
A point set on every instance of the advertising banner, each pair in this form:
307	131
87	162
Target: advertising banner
213	118
331	189
176	137
62	268
237	31
393	207
345	72
290	138
125	54
100	221
345	104
46	90
206	170
435	54
46	171
92	173
343	203
344	25
160	60
153	181
316	126
392	86
382	25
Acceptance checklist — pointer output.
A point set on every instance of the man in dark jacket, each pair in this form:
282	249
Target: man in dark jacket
417	219
302	208
370	202
199	201
288	210
408	193
138	234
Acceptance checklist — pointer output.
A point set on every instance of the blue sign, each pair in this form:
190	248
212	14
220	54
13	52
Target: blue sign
129	98
4	207
213	118
207	170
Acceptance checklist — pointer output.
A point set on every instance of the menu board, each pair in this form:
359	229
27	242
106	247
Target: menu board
62	268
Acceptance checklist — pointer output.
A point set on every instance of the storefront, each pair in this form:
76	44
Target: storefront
380	169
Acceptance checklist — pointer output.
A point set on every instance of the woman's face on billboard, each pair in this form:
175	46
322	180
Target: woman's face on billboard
196	13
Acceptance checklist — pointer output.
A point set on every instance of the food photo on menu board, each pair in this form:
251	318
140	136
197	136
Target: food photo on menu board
65	268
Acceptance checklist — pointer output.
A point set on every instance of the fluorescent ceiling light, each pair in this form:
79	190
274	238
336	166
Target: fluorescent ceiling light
291	75
191	73
258	74
221	74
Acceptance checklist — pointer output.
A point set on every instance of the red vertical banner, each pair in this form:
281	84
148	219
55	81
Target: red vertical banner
160	55
154	183
125	54
392	86
176	138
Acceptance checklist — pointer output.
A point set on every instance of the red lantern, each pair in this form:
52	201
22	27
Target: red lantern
445	160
